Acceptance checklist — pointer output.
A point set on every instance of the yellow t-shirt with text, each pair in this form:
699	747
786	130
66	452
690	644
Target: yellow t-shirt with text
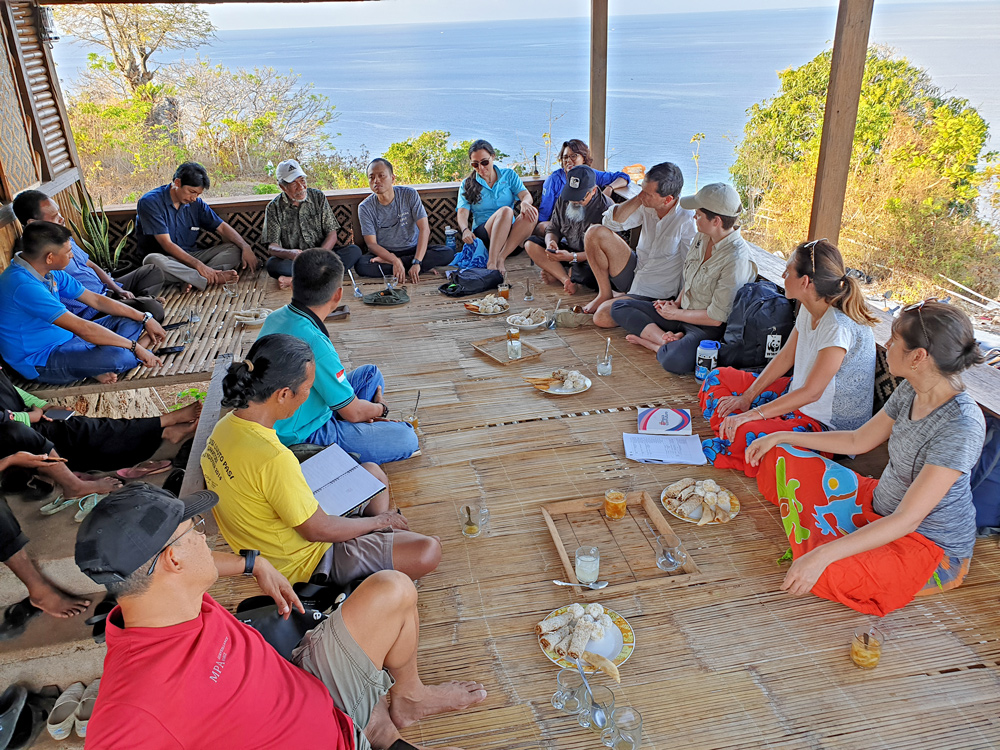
262	496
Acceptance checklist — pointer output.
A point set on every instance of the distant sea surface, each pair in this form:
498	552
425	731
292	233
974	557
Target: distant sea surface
669	76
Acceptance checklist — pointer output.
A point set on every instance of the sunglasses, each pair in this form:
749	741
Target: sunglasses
919	307
477	164
811	247
198	525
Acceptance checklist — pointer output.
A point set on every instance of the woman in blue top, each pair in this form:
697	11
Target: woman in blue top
573	153
489	194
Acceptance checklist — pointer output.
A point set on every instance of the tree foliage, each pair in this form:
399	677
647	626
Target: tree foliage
918	169
132	34
429	157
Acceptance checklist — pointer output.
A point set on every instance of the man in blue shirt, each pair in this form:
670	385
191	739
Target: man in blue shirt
137	289
168	222
345	408
43	341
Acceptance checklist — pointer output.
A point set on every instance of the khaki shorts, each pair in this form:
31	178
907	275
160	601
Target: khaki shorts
359	557
356	685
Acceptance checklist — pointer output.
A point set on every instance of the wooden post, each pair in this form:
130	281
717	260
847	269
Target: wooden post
850	50
598	80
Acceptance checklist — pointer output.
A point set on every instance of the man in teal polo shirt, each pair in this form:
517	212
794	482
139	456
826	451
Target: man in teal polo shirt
345	408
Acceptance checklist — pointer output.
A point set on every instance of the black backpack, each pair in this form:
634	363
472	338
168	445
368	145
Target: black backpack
759	324
466	281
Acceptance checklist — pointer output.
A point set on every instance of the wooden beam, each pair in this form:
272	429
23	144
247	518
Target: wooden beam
850	50
598	81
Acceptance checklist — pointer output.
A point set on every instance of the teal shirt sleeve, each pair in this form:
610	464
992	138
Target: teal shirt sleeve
331	381
516	183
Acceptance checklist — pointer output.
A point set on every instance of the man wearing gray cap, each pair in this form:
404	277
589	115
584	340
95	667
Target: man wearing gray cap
719	262
182	672
580	206
297	219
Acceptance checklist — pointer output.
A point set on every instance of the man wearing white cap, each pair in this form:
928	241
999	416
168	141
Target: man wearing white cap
719	262
299	218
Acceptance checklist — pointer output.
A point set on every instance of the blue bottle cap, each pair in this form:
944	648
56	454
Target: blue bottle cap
709	344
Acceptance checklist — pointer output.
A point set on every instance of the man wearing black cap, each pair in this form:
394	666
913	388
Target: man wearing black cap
181	672
580	206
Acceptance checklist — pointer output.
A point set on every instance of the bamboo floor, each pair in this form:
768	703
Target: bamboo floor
723	659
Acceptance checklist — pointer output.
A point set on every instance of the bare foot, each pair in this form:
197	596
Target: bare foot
228	276
55	602
640	341
548	278
178	433
187	288
670	337
569	287
284	282
434	699
108	377
100	485
189	413
591	307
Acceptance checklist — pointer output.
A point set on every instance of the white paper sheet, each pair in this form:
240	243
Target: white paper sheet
664	449
339	483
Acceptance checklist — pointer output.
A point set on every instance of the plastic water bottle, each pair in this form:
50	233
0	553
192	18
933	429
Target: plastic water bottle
450	240
706	359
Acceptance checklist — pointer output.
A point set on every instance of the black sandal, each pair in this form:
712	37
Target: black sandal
16	617
99	620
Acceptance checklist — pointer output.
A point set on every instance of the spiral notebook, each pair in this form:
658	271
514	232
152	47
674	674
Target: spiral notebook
341	485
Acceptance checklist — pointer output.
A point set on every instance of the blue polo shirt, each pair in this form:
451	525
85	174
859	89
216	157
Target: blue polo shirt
29	305
331	390
503	193
83	273
155	214
553	186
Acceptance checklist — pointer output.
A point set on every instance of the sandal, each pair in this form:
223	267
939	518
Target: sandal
87	503
60	503
16	617
145	469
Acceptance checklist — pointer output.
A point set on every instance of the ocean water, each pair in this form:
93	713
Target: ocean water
669	76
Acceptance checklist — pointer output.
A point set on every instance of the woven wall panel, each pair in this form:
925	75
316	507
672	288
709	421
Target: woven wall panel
17	164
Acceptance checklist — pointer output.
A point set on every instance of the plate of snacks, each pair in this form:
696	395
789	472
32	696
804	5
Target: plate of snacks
601	638
491	304
700	502
253	317
562	382
529	320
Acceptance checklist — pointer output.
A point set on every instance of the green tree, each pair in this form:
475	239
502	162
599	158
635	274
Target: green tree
429	158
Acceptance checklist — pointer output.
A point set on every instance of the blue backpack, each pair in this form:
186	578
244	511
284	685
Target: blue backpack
985	481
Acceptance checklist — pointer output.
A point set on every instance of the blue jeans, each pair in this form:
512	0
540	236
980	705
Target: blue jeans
78	359
378	442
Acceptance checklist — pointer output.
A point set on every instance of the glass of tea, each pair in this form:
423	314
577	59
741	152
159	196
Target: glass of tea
866	648
614	505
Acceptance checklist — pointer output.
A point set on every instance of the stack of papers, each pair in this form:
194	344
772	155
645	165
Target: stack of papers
664	449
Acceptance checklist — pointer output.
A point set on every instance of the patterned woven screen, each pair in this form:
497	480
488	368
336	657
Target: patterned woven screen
17	165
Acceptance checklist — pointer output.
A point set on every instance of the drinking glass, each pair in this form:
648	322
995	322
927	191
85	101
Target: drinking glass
503	290
614	505
475	519
604	698
513	343
567	697
588	564
669	553
604	365
230	288
411	416
625	730
528	296
866	648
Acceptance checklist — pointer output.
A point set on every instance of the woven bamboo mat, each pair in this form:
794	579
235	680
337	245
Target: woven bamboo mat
725	662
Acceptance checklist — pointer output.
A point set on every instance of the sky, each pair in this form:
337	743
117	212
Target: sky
287	15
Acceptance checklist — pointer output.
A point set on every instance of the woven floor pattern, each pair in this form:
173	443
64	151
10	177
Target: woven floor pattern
724	661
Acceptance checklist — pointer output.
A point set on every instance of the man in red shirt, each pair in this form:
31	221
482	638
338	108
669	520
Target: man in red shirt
182	672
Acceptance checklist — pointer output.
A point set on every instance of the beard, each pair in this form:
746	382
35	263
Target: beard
575	213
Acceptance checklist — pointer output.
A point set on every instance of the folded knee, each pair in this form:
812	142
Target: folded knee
392	586
506	213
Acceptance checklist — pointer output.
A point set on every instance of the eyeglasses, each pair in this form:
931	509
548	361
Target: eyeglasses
570	156
811	247
919	307
477	164
198	525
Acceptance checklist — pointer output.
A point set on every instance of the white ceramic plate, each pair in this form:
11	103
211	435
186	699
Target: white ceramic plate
523	327
695	519
616	645
473	307
569	392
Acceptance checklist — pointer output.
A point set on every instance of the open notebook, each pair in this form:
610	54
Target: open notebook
340	484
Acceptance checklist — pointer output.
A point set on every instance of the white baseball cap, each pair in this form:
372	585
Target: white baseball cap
289	171
719	198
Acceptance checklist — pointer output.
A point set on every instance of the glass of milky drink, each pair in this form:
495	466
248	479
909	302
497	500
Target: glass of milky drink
866	648
614	505
588	564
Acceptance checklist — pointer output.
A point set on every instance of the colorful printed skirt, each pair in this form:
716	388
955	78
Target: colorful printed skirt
728	381
820	500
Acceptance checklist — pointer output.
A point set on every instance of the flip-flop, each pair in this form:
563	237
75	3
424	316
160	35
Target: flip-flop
87	503
145	469
15	620
60	503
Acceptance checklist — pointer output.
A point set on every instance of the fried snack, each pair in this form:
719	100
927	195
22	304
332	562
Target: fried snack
675	489
707	514
563	645
581	637
543	384
604	664
722	515
553	623
689	506
549	640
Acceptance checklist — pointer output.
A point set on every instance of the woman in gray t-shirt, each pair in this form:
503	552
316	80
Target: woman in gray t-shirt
914	529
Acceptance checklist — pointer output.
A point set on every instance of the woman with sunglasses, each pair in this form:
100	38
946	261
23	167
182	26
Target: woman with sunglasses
488	194
832	348
874	544
573	153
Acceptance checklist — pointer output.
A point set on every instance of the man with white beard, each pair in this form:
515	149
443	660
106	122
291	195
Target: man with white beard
580	206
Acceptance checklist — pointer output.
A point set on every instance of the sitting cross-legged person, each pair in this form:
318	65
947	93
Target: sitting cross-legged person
717	265
265	501
832	348
580	206
43	341
182	672
138	289
345	408
874	544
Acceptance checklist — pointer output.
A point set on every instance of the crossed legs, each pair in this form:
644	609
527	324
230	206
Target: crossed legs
608	255
505	236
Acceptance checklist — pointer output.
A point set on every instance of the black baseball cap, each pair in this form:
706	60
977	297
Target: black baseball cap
131	525
579	180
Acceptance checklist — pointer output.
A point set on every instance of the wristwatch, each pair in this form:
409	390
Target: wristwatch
385	410
146	317
415	262
250	557
575	258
